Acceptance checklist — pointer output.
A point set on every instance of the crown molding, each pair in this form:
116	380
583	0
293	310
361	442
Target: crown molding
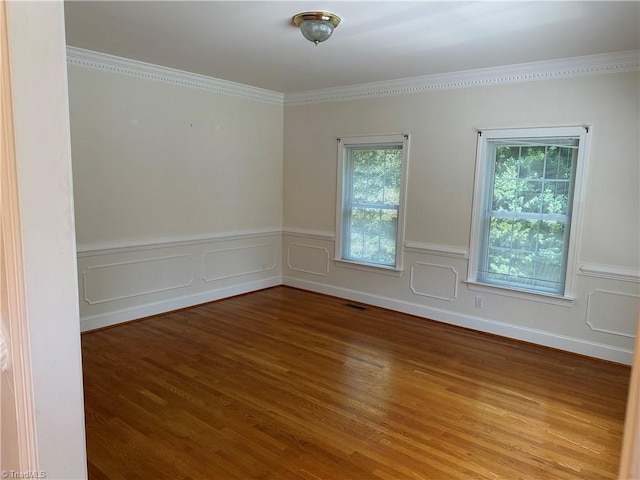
80	57
617	62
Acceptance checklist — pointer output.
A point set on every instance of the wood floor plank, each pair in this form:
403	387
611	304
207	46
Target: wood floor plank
288	384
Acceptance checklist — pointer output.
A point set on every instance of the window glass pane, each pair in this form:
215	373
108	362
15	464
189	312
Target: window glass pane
532	162
525	237
559	162
499	264
373	235
504	195
549	270
556	197
372	176
530	196
507	161
500	232
376	175
551	237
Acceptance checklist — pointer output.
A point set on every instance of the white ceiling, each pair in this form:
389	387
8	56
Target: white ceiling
254	42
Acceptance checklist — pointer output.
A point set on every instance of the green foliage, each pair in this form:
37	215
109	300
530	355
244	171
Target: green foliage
374	197
529	214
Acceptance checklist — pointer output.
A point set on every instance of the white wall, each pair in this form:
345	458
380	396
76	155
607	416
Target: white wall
178	193
443	127
37	50
182	194
154	160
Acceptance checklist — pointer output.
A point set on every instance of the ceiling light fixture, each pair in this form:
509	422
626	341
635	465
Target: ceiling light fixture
316	26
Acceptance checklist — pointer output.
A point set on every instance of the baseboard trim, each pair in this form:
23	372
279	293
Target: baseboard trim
141	311
539	337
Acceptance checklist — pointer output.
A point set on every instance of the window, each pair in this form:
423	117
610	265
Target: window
370	206
526	205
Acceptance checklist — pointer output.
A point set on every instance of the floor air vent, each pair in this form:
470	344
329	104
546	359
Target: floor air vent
356	307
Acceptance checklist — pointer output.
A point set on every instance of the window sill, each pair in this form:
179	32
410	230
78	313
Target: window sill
368	267
540	297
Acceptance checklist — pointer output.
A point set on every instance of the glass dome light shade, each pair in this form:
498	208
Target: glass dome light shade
316	26
316	30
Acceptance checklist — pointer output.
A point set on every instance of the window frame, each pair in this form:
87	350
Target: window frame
342	176
484	179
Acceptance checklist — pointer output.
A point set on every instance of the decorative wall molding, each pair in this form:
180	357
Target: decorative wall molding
611	272
432	276
540	337
121	280
113	317
614	313
319	255
439	250
237	261
323	235
91	250
525	72
617	62
80	57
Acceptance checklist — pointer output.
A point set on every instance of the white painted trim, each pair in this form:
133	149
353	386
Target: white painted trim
444	267
532	296
539	337
322	274
434	249
132	295
93	249
611	272
593	327
485	159
240	274
371	268
79	57
141	311
312	234
617	62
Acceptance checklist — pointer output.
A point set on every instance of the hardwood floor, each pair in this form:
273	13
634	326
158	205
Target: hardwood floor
288	384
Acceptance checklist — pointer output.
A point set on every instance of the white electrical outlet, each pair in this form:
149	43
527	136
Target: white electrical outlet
479	301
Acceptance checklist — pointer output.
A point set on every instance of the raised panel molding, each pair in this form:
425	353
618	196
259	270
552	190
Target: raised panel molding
614	313
237	261
308	259
435	281
121	280
571	344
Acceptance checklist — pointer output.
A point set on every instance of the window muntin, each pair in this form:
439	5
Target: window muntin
369	216
526	208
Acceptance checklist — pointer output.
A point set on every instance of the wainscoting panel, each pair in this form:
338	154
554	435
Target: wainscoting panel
308	259
117	281
133	280
237	261
435	281
612	312
432	285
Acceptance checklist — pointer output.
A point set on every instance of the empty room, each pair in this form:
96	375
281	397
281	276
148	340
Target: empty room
325	240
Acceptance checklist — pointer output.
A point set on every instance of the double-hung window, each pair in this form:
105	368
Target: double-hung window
372	175
527	200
